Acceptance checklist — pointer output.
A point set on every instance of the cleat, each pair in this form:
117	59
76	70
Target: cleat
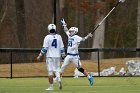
60	85
50	88
91	80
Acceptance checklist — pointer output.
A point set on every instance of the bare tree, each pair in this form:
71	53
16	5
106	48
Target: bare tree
98	40
138	25
4	13
21	26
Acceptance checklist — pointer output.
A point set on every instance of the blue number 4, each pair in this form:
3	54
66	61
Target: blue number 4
54	43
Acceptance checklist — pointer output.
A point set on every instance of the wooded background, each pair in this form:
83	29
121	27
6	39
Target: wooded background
23	23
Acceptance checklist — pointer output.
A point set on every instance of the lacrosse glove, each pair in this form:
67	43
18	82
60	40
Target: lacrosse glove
63	22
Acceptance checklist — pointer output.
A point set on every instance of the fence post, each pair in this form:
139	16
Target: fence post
98	62
11	63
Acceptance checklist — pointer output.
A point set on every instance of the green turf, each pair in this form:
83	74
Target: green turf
71	85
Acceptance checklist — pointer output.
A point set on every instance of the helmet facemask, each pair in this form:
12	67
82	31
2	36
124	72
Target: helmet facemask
52	31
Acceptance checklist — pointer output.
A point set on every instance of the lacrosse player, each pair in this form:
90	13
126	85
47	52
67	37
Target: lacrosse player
72	50
53	48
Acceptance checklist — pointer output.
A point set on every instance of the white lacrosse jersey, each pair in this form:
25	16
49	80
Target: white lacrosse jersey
54	44
73	44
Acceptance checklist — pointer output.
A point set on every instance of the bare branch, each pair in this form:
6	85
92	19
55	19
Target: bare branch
5	11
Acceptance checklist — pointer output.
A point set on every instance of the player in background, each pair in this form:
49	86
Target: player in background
72	50
53	47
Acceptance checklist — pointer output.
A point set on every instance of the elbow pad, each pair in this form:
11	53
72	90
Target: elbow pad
43	50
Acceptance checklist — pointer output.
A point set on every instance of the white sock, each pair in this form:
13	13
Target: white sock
51	85
58	76
59	79
55	79
88	76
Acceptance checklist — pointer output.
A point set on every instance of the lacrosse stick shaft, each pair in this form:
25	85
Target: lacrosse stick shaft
105	17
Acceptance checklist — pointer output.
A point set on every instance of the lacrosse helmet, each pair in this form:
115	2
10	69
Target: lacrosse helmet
51	28
74	30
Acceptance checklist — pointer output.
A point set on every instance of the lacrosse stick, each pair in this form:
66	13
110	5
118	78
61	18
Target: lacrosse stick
119	2
91	33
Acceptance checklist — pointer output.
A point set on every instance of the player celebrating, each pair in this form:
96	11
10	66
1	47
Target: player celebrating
72	50
53	47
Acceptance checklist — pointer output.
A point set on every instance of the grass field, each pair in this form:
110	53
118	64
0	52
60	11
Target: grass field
72	85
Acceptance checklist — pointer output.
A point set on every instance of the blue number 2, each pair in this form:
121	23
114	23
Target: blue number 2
54	43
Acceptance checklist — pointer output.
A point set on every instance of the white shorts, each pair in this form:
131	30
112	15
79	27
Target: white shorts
53	65
73	59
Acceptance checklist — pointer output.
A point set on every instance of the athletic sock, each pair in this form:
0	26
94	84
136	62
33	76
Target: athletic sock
51	85
88	76
59	79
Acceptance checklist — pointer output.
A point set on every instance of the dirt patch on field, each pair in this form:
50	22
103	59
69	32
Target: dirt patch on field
40	69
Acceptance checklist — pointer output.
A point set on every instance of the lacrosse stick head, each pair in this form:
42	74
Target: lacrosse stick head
51	28
121	1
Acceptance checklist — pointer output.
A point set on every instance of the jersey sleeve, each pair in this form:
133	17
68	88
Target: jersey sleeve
62	44
78	38
46	41
61	41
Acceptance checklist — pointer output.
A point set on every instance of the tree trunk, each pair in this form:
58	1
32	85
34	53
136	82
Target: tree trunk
98	40
21	26
138	26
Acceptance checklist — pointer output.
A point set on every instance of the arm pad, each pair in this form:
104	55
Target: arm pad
43	50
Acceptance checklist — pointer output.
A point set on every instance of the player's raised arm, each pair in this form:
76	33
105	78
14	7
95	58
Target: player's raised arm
64	24
86	37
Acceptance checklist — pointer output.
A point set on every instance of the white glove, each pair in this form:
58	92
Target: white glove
63	22
89	35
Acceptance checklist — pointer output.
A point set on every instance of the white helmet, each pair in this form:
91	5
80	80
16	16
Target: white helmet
51	28
74	29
